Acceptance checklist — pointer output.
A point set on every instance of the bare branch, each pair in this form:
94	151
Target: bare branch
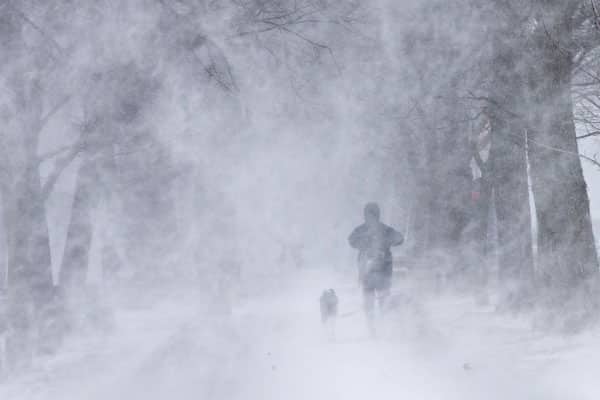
54	153
558	150
53	111
36	27
587	135
595	12
60	166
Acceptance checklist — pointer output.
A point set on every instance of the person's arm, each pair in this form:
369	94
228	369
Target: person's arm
395	238
358	238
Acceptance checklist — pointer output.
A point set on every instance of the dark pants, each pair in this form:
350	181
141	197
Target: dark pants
376	285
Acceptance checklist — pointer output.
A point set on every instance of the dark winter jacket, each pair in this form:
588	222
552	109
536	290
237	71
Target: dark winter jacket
373	243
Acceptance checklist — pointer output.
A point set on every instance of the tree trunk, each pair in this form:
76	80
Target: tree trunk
420	213
508	168
29	253
111	264
29	274
479	238
566	248
74	266
511	197
4	236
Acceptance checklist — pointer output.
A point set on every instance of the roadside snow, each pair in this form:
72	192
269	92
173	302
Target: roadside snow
273	347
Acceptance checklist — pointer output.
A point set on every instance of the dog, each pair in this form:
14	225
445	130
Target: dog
328	304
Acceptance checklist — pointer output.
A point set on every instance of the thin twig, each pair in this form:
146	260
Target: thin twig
54	153
559	150
36	27
61	165
53	111
587	135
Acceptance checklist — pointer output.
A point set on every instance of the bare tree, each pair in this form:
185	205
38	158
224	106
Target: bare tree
567	254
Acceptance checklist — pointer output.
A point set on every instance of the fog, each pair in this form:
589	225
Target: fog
179	181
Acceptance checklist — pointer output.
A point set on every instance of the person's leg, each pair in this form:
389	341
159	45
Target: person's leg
383	291
382	298
369	300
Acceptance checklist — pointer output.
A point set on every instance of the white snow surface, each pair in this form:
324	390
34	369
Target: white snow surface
273	346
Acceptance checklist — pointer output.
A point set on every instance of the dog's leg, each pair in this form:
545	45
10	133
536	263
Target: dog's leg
333	323
330	328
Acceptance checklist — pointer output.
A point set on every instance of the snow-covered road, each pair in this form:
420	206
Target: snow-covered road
273	347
